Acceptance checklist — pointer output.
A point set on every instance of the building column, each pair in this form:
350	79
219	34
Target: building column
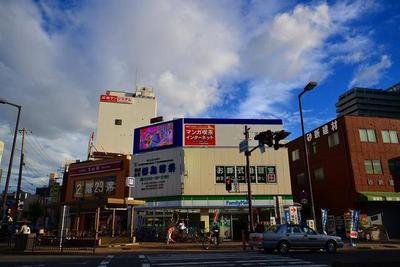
204	217
113	224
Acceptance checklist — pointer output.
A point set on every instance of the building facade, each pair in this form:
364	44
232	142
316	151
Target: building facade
96	191
1	150
370	102
181	167
355	164
119	114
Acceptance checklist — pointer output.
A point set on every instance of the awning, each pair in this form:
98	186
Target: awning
120	202
379	196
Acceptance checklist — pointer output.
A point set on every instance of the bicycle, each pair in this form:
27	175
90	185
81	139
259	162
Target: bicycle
210	240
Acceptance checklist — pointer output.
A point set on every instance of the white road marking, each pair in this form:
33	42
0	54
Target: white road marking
141	256
106	261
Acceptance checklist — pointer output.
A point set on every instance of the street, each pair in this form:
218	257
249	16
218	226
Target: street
390	257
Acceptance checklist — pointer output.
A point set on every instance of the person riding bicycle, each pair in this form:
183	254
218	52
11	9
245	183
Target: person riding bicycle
181	226
215	231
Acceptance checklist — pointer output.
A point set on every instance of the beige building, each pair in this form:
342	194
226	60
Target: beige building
119	114
181	167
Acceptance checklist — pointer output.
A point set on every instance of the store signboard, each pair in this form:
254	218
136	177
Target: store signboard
104	167
236	203
116	99
158	173
271	174
199	135
99	186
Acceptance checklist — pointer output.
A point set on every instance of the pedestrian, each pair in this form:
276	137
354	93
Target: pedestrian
170	231
25	230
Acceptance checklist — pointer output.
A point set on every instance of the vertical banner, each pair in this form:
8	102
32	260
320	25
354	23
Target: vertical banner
294	219
287	216
348	220
324	219
216	215
355	223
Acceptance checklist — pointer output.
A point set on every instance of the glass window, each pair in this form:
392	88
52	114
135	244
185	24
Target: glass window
295	155
367	135
314	147
300	179
371	135
219	174
373	166
363	135
393	137
390	137
319	174
368	167
376	164
118	122
333	139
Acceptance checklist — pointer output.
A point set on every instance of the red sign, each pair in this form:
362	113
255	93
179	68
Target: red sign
116	99
200	135
106	167
108	98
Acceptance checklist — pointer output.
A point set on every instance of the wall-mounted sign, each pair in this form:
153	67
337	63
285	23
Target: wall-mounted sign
236	203
158	173
130	181
97	186
200	135
324	130
116	99
105	167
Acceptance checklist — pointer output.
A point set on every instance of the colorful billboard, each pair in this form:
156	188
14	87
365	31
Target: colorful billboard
200	135
156	136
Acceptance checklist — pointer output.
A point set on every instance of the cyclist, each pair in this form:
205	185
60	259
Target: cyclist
215	231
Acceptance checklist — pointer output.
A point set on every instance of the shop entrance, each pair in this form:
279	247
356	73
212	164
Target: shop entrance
239	222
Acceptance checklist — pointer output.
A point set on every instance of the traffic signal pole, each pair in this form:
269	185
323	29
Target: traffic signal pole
248	153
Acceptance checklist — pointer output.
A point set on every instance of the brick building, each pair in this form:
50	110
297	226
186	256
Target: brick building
354	163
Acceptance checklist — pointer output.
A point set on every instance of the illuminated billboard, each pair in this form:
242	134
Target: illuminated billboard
156	136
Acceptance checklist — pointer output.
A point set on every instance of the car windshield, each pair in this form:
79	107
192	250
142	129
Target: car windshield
272	228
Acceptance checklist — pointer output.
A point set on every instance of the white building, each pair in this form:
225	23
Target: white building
181	166
119	114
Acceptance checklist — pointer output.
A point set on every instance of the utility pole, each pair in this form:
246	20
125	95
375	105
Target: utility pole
248	153
21	164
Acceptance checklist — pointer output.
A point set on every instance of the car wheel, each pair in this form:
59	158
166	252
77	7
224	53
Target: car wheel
283	247
330	247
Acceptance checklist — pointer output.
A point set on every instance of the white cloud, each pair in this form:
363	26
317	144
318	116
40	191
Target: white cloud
370	74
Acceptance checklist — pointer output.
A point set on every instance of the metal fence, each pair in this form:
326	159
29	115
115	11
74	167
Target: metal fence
35	242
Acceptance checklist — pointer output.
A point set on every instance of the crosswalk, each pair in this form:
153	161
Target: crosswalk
225	259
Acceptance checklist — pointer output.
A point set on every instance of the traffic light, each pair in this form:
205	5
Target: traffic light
266	137
228	184
278	136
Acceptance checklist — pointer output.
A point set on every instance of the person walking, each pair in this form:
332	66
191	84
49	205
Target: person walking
170	231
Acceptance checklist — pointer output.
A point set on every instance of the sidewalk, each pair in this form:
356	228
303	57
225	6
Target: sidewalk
162	247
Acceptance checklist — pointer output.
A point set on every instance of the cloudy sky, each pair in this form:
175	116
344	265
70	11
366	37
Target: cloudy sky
242	59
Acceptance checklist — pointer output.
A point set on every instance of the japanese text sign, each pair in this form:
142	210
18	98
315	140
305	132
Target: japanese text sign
200	135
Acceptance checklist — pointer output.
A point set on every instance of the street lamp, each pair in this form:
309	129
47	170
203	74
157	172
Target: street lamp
4	101
309	87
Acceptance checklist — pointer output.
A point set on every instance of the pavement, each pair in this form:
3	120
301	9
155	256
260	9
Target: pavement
156	247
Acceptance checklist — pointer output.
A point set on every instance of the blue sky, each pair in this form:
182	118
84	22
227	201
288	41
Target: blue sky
238	59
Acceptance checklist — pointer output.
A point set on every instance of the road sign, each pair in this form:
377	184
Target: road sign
130	181
243	146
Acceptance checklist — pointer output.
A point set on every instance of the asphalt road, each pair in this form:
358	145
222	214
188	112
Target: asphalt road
363	258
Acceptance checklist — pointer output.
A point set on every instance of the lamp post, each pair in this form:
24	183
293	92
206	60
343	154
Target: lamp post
309	87
4	101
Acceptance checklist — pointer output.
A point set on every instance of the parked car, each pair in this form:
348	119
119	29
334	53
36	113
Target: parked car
287	236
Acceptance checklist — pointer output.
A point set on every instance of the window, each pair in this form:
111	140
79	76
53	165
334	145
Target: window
295	155
314	148
118	122
300	179
373	166
333	139
319	174
390	137
367	135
